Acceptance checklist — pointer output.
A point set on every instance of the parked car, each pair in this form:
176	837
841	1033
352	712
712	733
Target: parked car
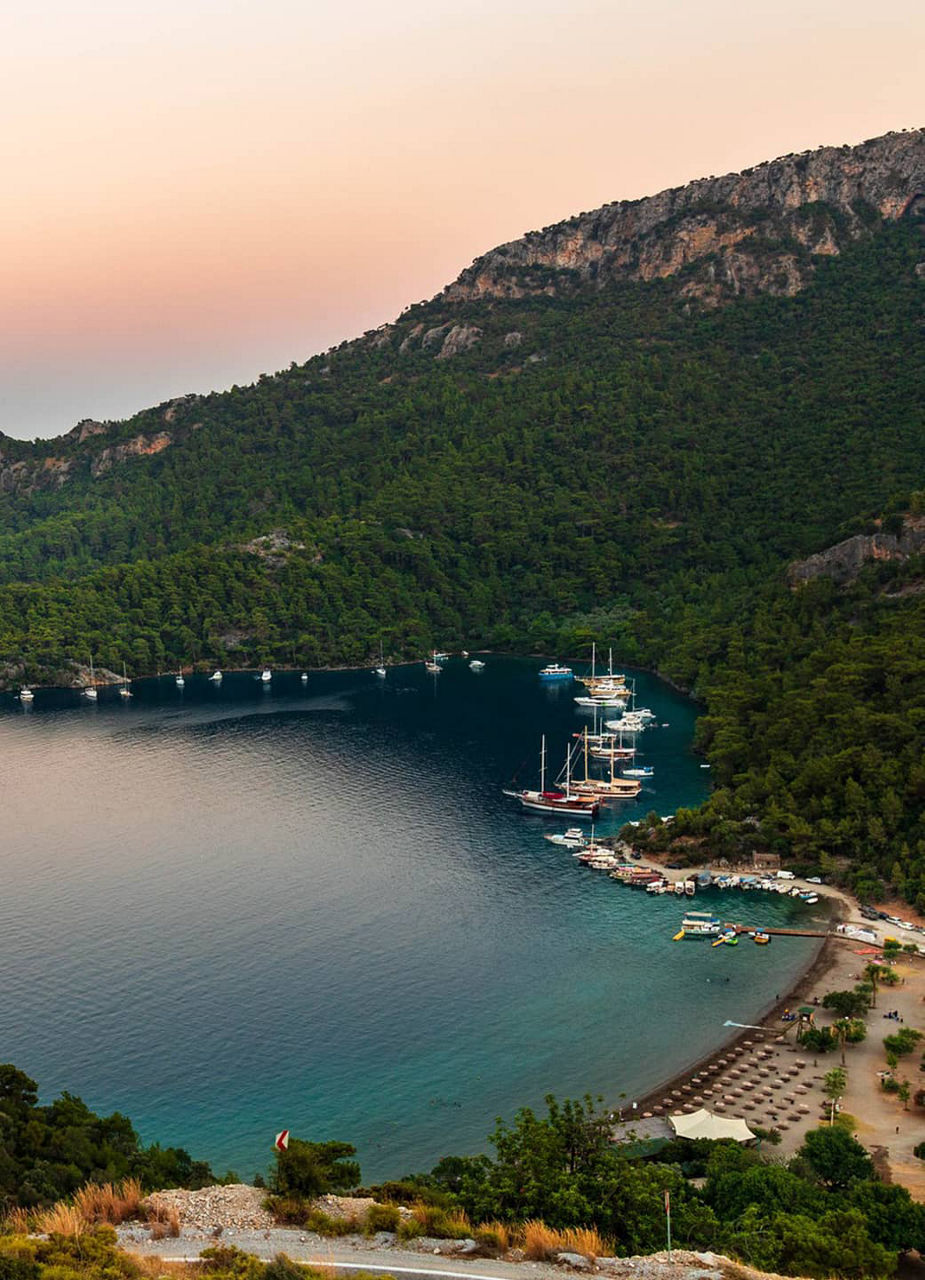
869	913
814	879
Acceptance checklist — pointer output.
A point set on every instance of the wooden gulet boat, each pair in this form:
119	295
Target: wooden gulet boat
614	788
556	802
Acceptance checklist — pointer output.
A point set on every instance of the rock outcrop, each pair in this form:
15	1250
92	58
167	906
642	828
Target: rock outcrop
749	232
843	562
139	447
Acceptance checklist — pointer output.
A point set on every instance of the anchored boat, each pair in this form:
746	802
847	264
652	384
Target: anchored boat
567	802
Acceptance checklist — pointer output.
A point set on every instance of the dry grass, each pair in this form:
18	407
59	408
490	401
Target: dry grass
61	1219
163	1219
17	1222
499	1234
587	1241
157	1269
109	1203
541	1243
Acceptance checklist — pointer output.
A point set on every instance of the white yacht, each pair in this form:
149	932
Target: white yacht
216	677
26	695
266	675
476	665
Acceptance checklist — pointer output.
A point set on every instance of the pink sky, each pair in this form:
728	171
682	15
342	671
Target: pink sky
196	191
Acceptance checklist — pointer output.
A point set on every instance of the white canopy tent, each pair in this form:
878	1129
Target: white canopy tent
704	1124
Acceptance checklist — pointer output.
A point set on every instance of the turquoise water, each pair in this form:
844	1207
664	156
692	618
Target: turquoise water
226	911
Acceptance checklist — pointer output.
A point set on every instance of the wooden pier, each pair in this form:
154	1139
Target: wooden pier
786	933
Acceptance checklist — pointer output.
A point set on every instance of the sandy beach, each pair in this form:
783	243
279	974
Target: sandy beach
761	1075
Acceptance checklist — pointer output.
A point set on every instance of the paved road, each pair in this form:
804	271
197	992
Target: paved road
348	1258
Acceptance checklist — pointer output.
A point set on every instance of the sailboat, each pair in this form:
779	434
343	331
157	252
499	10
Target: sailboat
433	666
566	801
603	746
607	690
124	690
613	788
380	670
90	692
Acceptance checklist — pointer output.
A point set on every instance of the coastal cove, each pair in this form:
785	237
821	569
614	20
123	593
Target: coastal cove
229	910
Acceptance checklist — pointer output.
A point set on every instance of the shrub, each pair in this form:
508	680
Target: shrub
409	1229
442	1223
313	1168
18	1268
288	1210
903	1041
919	1150
381	1217
406	1192
324	1225
283	1268
889	1085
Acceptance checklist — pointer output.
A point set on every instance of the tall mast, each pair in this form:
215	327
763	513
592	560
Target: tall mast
543	763
587	775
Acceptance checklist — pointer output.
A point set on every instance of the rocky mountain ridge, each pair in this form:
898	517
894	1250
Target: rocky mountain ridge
761	230
750	232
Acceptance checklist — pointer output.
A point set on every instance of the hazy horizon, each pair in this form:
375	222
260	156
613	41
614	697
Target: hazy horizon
200	193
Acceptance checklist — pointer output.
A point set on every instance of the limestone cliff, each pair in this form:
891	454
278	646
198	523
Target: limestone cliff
749	232
843	562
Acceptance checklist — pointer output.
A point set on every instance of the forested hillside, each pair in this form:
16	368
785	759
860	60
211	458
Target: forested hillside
635	460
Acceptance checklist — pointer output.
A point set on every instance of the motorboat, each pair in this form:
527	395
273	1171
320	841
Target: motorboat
216	677
573	838
26	695
304	677
476	665
641	771
556	672
266	675
699	924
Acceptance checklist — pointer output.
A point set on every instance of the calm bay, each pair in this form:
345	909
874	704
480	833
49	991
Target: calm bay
232	909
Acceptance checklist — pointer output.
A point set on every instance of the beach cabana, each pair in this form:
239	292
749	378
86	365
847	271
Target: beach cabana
703	1124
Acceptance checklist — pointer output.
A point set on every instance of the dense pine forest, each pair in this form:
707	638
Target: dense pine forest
630	464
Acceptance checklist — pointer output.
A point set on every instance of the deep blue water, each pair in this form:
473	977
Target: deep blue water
225	911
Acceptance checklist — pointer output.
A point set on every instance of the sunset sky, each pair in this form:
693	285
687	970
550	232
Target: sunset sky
197	191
